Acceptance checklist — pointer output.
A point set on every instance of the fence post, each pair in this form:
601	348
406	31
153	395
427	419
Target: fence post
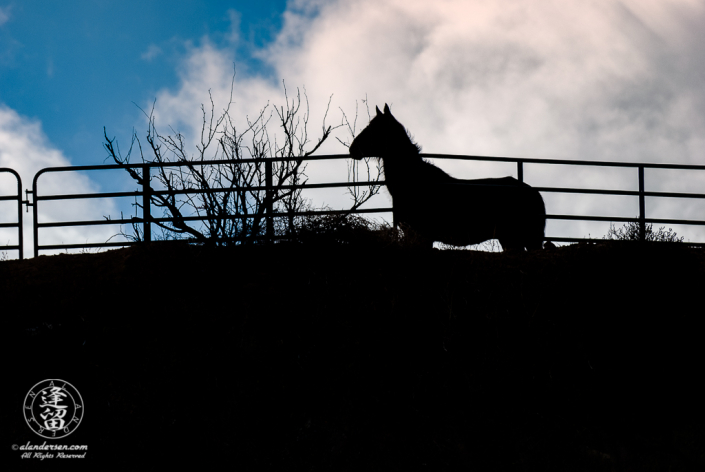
20	235
520	171
642	206
268	200
35	215
146	204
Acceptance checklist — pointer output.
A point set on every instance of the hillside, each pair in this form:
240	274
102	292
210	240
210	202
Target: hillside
365	358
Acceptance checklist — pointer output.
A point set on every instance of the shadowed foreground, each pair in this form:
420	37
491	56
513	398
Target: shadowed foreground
298	358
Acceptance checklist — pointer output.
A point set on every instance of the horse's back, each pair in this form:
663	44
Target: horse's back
464	212
494	208
503	191
495	181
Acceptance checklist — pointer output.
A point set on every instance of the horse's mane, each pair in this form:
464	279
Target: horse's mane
413	143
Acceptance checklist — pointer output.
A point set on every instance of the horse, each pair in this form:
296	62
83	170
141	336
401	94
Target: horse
438	207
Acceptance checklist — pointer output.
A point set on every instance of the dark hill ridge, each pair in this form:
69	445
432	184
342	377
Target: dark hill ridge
342	358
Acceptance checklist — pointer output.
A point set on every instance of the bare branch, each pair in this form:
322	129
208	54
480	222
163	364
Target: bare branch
226	198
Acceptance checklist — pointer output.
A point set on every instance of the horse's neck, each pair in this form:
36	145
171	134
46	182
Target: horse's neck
408	169
402	162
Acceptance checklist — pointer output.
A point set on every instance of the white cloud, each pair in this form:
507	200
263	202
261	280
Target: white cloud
25	148
589	80
152	51
5	14
235	18
534	78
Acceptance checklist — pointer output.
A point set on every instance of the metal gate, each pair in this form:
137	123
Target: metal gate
145	191
18	224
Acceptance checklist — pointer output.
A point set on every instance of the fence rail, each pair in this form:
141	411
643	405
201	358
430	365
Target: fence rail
641	193
146	192
18	224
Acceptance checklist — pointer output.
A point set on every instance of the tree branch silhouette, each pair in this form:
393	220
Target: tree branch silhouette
227	202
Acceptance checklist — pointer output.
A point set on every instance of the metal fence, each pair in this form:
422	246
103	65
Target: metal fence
146	191
642	219
18	224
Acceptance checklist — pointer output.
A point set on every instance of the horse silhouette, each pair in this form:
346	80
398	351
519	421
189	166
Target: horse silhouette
438	207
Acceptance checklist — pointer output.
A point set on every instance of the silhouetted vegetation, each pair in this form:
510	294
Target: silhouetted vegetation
231	194
349	348
365	356
632	232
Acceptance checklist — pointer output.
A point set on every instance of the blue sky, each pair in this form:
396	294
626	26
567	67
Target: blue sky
78	66
617	80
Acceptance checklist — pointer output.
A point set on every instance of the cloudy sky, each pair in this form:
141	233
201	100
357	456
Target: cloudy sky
592	80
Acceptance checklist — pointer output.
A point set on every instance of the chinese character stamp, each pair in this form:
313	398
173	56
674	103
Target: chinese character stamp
53	408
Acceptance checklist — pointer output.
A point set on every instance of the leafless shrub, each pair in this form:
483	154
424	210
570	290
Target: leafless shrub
632	232
218	195
370	168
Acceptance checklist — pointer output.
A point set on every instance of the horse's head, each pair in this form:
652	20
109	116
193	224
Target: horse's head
381	135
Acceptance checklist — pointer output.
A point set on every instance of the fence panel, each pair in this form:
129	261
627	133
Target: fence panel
146	191
641	193
17	224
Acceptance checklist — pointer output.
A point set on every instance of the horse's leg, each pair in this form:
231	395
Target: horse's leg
530	244
506	235
534	236
421	241
534	244
426	243
416	238
510	244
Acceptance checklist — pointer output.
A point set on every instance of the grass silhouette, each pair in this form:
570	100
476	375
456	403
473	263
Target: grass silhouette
366	357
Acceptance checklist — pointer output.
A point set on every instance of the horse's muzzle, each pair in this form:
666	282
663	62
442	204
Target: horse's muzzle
355	152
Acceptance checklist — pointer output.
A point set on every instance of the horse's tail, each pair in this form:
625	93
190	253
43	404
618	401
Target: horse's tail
535	220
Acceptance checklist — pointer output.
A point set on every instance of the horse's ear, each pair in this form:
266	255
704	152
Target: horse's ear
378	112
386	109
